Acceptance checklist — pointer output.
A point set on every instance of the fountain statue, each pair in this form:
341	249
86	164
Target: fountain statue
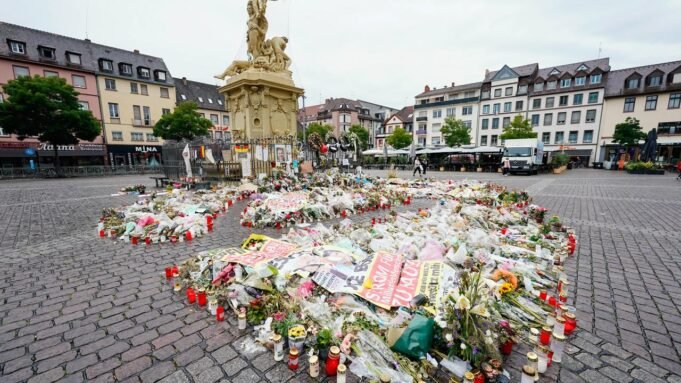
260	95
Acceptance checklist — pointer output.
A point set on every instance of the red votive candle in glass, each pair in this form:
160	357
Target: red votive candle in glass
570	323
504	231
134	240
545	335
209	219
210	226
191	295
344	214
169	272
188	236
147	240
176	271
220	314
542	295
333	361
101	234
552	301
202	297
373	221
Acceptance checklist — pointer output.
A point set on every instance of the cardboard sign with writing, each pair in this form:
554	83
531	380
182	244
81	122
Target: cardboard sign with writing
380	283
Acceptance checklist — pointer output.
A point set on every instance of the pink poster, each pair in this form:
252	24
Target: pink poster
272	249
380	283
408	285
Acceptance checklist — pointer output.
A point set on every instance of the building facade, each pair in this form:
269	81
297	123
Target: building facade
29	52
566	106
210	105
504	95
135	91
340	113
651	94
433	106
403	119
381	114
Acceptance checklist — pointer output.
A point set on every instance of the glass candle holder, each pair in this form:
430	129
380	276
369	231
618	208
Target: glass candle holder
341	373
293	359
203	298
534	336
559	327
278	347
570	323
542	358
557	346
545	335
527	375
333	361
532	361
314	366
468	377
242	321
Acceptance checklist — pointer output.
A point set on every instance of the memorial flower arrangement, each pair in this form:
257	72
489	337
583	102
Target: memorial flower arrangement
469	278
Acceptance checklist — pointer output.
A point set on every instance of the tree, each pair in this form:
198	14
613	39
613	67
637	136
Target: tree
362	134
519	128
628	133
399	139
455	132
318	128
47	108
184	123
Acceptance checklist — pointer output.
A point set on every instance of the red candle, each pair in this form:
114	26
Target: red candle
209	219
373	221
176	271
220	314
188	235
550	357
134	240
545	335
552	301
504	231
344	214
333	361
278	225
210	226
169	272
191	296
542	295
570	323
229	203
147	240
101	233
202	297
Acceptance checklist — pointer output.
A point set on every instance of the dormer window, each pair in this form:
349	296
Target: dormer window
210	100
125	69
565	83
73	58
655	80
632	83
582	67
595	79
200	99
143	72
106	65
184	98
46	52
220	102
159	75
17	47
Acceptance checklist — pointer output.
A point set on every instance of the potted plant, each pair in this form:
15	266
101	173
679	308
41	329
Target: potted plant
559	162
324	341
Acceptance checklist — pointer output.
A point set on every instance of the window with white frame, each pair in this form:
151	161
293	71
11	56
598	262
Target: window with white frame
17	47
496	108
84	105
535	120
595	79
125	69
466	110
49	73
144	90
435	140
495	140
143	72
551	85
78	81
562	116
73	58
451	112
134	136
565	83
214	119
519	106
546	137
483	141
20	71
485	124
165	93
437	113
468	123
506	122
629	104
538	86
497	92
485	109
550	102
580	80
225	120
536	103
508	106
588	136
46	52
593	98
591	115
572	137
576	117
651	102
577	99
151	137
113	110
548	119
134	88
508	91
559	137
117	136
674	101
106	65
109	84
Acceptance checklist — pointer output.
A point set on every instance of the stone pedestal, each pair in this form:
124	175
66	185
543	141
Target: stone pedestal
261	104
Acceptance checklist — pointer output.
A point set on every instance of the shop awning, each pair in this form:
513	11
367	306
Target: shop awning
576	152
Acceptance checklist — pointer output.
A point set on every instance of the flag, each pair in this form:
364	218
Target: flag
187	163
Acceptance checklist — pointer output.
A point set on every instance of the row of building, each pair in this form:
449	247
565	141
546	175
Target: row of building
573	107
127	91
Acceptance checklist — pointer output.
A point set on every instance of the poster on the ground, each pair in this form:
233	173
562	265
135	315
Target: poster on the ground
381	280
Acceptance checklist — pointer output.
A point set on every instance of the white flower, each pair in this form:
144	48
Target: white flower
463	346
463	303
449	337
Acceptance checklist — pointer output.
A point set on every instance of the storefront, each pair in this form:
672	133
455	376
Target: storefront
32	155
135	155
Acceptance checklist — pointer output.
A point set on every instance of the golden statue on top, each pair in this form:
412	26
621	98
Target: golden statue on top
266	55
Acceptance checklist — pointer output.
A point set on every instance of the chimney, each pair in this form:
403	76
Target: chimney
88	41
184	80
136	51
486	72
452	84
426	89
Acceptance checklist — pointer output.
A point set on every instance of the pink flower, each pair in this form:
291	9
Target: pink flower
278	316
305	289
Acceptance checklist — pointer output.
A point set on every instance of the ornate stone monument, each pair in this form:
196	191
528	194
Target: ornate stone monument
261	97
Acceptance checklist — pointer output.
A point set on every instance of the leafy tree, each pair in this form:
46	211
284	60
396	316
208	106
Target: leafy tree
399	139
628	133
318	128
47	108
519	128
362	134
185	123
455	132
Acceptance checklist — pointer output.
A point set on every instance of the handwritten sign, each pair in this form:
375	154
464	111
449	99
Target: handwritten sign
272	249
384	274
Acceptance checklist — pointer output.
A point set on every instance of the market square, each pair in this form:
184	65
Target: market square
173	212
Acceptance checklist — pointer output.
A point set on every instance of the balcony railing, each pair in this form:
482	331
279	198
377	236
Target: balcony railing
422	132
144	122
422	118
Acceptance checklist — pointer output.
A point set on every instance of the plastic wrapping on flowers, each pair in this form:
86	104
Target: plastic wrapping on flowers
423	292
165	216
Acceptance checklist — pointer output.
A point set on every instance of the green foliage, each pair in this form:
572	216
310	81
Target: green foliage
325	338
48	108
400	139
185	123
628	133
560	159
321	130
455	132
362	135
639	165
519	128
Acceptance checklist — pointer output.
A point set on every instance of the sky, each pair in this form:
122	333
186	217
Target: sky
383	51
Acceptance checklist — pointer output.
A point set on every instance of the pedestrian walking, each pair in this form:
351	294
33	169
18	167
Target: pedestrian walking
417	167
506	167
424	165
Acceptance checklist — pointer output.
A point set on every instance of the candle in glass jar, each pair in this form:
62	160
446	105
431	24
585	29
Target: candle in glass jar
557	346
278	348
528	375
203	299
178	287
314	366
534	335
242	321
565	287
213	306
551	319
176	271
468	377
384	378
191	295
333	361
542	295
293	359
341	373
169	272
542	358
220	313
559	327
532	360
570	323
545	336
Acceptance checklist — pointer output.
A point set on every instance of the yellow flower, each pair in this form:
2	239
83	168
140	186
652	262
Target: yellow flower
506	288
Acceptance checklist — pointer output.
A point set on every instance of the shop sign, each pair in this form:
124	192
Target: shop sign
71	148
146	149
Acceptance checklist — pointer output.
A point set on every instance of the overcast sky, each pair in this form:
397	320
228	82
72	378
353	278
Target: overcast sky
383	51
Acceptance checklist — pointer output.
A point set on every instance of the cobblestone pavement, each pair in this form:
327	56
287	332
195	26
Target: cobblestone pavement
75	308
